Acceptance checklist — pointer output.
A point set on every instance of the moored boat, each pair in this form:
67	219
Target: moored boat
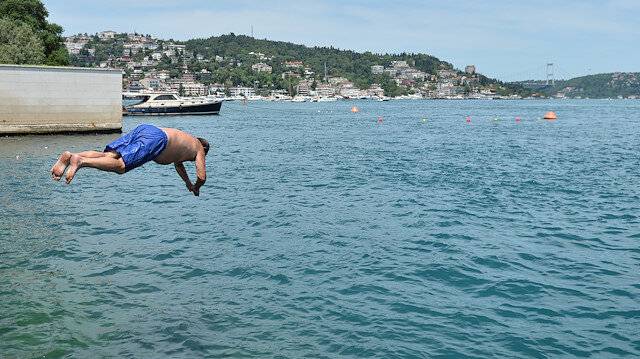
164	104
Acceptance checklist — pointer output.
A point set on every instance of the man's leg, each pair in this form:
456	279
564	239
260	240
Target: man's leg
58	168
105	163
93	154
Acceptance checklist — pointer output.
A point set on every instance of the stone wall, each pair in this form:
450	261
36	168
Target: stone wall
41	99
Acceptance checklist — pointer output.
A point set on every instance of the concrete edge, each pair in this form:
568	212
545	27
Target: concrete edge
60	68
54	129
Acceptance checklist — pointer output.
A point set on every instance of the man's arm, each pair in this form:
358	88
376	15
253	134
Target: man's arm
201	172
182	172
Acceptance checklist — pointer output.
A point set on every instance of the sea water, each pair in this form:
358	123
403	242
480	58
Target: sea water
400	231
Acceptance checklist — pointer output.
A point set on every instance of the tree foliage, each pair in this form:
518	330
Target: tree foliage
33	15
352	65
19	44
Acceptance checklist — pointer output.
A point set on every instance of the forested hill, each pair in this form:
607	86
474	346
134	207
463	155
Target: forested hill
356	66
347	63
609	85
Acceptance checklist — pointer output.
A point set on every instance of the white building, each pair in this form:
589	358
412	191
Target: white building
377	69
262	67
177	49
74	47
152	83
375	91
106	35
303	88
194	89
325	90
242	91
163	75
399	64
293	64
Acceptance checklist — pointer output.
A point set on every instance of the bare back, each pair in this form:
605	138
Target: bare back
181	147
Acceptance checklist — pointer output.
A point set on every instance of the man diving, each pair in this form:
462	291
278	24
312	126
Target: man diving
143	144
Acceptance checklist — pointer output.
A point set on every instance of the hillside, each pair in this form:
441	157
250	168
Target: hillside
230	61
355	66
609	85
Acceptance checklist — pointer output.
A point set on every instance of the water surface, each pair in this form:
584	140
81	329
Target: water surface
322	233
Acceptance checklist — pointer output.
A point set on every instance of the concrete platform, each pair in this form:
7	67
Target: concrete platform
42	99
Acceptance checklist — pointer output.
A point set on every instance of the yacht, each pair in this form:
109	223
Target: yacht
172	104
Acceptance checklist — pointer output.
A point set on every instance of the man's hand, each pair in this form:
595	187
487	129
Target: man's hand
197	185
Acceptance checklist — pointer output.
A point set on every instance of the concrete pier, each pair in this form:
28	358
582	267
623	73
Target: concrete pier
41	99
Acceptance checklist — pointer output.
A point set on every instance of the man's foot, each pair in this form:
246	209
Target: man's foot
74	164
58	169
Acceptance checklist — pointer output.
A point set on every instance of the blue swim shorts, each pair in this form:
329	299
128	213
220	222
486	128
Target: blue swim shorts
139	146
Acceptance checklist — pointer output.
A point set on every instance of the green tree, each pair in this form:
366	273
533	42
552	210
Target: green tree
19	44
33	14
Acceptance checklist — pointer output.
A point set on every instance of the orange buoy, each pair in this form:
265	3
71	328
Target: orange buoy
550	116
355	109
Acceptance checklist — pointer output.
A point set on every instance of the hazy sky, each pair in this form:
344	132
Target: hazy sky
509	40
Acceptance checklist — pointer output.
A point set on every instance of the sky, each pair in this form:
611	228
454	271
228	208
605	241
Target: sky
506	39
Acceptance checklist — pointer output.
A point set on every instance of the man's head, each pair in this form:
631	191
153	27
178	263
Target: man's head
205	144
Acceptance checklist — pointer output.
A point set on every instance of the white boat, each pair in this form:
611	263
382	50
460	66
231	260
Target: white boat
171	104
300	99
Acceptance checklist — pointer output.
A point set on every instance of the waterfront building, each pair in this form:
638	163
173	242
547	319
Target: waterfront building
194	89
217	89
152	83
377	69
303	88
242	91
348	90
188	77
337	81
325	90
375	90
262	67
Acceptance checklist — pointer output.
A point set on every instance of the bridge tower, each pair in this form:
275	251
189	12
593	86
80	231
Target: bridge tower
550	74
